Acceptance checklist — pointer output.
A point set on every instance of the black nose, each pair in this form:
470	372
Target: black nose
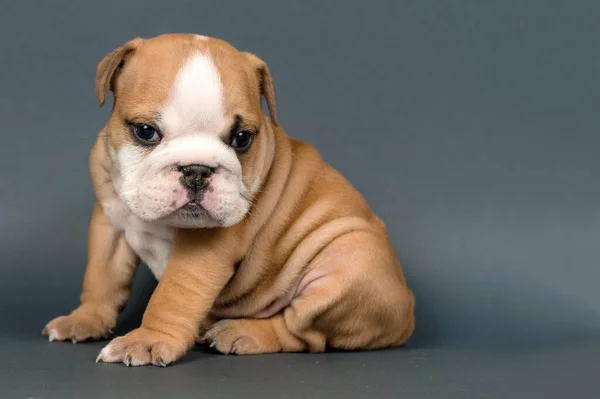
195	177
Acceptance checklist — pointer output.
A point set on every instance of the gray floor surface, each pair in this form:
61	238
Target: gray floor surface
33	368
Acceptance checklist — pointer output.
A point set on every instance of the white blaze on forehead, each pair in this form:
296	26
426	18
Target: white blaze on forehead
196	101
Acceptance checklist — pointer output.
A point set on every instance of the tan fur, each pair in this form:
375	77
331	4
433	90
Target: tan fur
310	244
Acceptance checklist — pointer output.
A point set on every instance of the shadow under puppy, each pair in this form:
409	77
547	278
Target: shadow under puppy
259	245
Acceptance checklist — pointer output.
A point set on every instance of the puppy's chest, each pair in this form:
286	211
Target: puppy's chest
151	242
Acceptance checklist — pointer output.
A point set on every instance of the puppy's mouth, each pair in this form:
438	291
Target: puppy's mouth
192	206
191	211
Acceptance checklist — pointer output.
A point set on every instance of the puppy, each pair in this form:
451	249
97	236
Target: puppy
259	246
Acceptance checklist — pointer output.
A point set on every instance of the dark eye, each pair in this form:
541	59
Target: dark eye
146	133
241	140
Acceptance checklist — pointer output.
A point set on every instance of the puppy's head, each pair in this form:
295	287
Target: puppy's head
187	135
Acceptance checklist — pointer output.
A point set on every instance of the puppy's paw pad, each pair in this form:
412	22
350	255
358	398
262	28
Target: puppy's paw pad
229	337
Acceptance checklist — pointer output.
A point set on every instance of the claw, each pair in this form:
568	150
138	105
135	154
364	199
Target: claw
99	358
127	360
200	340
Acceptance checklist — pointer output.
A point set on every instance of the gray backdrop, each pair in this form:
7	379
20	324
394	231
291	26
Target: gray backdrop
471	127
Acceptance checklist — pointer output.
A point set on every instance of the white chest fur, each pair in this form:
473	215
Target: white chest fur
151	242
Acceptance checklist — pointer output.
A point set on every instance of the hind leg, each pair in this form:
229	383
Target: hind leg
339	306
314	322
364	315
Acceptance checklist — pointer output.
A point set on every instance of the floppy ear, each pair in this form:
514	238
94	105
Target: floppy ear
105	72
265	82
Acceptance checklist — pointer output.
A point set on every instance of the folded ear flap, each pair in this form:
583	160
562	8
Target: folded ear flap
109	65
265	83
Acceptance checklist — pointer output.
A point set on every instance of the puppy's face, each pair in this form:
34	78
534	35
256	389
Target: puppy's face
187	136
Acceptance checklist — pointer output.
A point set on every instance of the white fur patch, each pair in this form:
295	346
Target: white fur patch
202	149
152	242
150	184
196	103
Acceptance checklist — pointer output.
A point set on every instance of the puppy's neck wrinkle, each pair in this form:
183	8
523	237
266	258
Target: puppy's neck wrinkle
282	199
277	168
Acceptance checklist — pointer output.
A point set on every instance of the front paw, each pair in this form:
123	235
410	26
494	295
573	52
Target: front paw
81	325
143	347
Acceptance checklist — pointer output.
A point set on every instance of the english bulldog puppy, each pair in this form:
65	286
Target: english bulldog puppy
259	245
